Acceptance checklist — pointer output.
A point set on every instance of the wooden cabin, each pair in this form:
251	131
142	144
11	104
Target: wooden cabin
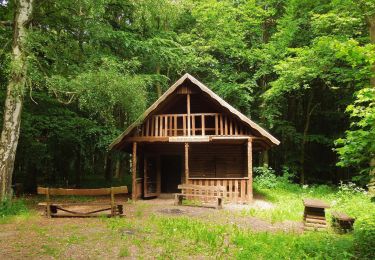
191	135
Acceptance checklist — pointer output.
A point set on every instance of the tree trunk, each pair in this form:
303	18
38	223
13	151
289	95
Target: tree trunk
158	86
265	158
13	102
108	167
309	111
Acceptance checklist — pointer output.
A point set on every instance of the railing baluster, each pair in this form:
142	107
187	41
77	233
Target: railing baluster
193	124
175	125
203	125
184	125
157	126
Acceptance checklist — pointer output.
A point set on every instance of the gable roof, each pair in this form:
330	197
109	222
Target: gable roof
208	91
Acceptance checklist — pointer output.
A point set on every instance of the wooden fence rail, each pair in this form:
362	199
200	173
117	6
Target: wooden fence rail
237	189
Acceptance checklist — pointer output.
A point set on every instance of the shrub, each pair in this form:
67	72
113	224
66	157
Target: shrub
265	177
11	208
364	237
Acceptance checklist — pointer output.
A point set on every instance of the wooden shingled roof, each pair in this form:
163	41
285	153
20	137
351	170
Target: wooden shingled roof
262	132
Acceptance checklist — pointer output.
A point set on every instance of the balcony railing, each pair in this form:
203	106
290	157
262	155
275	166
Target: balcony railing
197	124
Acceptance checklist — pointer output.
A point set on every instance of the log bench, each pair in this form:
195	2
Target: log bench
203	193
52	207
342	222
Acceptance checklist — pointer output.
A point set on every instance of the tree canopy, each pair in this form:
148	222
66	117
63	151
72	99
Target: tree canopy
300	68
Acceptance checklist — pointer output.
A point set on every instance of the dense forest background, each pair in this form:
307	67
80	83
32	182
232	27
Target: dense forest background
299	68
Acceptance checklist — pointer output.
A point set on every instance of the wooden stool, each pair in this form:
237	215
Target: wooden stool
342	222
314	217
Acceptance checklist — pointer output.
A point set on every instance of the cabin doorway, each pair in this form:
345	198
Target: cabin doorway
150	177
171	167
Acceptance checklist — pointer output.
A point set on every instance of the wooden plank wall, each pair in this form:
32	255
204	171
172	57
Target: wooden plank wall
217	160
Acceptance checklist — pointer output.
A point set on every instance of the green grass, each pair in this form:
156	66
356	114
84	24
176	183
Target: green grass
151	235
181	237
124	252
287	202
50	251
10	209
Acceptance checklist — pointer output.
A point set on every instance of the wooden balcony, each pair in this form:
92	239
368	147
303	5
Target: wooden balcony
195	124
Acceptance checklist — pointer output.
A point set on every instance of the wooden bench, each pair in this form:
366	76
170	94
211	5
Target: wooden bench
342	222
204	193
53	207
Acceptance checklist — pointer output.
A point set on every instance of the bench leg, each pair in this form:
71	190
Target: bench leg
120	209
219	203
178	199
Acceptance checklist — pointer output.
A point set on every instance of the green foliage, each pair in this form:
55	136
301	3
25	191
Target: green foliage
292	66
358	146
265	177
287	198
12	208
364	237
291	246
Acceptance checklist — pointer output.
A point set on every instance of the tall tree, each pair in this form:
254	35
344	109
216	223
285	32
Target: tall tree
13	103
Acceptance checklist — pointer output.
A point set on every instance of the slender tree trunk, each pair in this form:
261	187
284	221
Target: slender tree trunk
265	158
13	101
108	168
158	87
309	111
117	168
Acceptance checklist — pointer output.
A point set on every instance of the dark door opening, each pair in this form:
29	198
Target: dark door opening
170	173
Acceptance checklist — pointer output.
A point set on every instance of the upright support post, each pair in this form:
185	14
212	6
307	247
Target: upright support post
186	163
48	209
113	210
134	172
188	113
250	169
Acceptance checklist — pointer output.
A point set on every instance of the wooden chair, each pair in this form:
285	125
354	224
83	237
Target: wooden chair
53	207
204	193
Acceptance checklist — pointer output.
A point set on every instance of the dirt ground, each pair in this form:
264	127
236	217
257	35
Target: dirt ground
37	237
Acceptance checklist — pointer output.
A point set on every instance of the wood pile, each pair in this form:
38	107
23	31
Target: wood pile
314	215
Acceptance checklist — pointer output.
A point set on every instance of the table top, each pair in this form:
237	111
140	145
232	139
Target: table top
314	203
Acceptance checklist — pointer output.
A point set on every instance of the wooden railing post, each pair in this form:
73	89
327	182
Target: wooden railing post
188	114
113	210
186	163
203	124
134	172
250	169
48	209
